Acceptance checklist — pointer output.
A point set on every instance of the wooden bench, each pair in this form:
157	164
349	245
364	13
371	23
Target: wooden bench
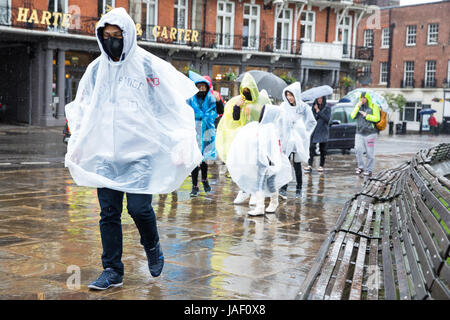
392	239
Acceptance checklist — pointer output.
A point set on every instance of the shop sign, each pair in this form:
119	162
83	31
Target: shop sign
175	34
59	18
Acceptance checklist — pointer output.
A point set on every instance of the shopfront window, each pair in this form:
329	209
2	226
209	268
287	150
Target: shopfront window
5	12
411	112
221	72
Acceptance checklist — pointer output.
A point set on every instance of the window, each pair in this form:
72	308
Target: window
307	26
149	13
385	38
368	38
339	114
411	32
5	12
57	6
225	23
283	25
408	74
105	6
344	31
448	71
411	111
250	30
383	72
180	14
430	74
433	30
366	71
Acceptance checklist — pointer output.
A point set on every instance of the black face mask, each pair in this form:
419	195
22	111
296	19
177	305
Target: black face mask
202	94
248	96
113	47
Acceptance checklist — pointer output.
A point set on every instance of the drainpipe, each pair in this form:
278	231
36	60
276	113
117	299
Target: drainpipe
389	62
204	24
328	24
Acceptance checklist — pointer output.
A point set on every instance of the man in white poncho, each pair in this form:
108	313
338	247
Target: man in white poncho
297	123
132	132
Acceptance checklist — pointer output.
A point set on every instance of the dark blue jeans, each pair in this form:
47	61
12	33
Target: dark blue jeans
140	208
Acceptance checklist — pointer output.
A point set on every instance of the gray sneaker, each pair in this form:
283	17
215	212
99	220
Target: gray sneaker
109	278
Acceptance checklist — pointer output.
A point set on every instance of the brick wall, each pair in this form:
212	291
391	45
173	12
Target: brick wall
421	16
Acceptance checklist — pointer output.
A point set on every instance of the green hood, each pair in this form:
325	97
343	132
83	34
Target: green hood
249	82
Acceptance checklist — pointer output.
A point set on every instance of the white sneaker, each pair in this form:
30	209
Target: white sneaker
273	205
258	211
241	197
252	201
307	169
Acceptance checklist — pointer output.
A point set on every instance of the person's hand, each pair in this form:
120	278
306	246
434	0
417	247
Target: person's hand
216	95
240	101
364	114
316	108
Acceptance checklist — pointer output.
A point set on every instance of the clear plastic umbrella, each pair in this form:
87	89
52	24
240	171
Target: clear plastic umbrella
354	95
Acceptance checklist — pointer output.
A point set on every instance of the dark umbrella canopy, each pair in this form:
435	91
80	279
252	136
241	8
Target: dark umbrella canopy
265	80
427	111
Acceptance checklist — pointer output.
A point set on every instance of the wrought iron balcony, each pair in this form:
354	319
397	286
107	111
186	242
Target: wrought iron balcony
408	83
429	83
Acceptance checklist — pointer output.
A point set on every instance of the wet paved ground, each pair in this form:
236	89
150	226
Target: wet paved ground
213	250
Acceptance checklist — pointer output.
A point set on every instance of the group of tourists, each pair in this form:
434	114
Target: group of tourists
140	127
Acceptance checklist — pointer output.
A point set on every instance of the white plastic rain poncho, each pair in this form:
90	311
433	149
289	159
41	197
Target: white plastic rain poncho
131	128
255	161
296	124
250	111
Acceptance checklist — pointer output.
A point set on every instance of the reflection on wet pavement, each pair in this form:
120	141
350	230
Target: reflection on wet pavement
213	249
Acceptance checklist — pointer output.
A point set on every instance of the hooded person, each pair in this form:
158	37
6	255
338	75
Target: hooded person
366	114
256	162
296	123
239	111
204	105
132	132
220	104
322	114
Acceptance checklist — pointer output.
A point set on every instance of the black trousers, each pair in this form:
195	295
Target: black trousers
298	173
204	169
312	153
140	208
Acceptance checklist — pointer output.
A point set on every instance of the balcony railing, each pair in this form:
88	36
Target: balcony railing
84	25
408	83
429	83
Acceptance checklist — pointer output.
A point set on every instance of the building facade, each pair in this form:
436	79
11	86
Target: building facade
412	57
47	44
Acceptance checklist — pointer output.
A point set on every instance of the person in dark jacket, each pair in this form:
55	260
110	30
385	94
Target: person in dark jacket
322	114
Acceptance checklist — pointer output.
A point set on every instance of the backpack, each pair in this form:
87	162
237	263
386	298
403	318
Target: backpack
381	125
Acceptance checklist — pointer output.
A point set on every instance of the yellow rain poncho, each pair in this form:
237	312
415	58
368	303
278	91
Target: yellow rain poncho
250	111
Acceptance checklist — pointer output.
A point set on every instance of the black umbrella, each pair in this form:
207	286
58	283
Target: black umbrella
273	84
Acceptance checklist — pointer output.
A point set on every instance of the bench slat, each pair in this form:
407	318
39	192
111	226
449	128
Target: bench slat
339	284
427	239
398	255
441	210
388	274
439	291
418	281
373	283
439	233
318	291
